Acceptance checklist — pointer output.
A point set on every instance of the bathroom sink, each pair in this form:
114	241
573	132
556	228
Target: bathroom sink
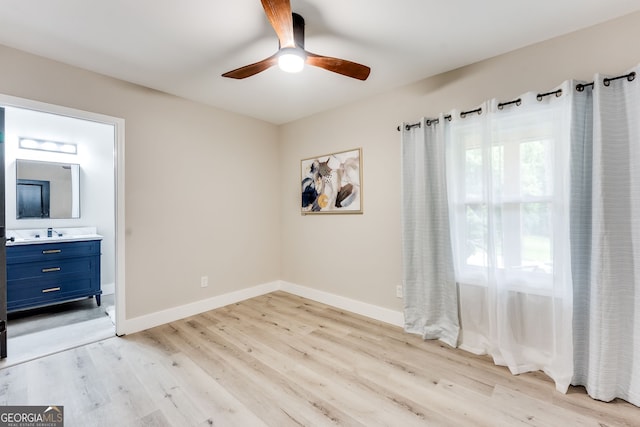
53	239
58	234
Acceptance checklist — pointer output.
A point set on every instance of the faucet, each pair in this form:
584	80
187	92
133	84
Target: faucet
50	232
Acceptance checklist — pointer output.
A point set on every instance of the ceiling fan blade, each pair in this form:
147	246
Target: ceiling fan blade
252	69
340	66
279	14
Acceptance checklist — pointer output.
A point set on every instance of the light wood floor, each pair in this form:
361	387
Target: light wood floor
281	360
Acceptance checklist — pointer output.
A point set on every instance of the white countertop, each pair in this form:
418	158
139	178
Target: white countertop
59	234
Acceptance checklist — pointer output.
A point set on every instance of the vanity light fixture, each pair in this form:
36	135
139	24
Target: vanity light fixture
44	145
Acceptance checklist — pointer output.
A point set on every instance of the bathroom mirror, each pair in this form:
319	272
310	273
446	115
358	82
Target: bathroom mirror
47	190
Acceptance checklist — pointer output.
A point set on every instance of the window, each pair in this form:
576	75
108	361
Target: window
503	199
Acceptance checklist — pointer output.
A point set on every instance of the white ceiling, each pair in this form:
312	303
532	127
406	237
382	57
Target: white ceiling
183	46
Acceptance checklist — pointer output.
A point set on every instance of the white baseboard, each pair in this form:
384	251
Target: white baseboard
172	314
365	309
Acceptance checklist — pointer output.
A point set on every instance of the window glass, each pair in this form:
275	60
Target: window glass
505	183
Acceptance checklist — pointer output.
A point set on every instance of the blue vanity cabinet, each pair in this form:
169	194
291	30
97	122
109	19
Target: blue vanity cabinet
49	273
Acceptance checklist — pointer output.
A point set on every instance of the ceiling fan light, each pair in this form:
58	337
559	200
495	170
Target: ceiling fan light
291	61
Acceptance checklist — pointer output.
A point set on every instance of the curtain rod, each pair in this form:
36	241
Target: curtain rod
504	104
579	87
409	127
607	81
557	93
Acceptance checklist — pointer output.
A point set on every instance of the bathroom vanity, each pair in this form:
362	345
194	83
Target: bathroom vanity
43	270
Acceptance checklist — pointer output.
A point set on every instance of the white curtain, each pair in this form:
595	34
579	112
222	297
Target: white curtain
543	199
508	180
606	238
430	295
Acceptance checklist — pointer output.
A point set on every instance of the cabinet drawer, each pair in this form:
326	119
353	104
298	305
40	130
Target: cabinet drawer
51	251
51	268
25	293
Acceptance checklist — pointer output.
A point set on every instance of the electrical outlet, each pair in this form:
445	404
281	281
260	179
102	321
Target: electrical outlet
204	281
399	291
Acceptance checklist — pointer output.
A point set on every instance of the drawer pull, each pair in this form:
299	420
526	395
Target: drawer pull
50	270
44	291
52	251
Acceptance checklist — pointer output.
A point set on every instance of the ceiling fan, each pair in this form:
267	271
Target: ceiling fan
291	55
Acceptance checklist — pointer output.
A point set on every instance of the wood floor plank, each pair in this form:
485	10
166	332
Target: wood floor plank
302	407
166	391
311	373
120	381
157	339
212	402
382	351
324	356
308	365
539	413
409	351
155	419
282	360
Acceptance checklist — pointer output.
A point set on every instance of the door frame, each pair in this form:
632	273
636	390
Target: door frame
3	250
118	125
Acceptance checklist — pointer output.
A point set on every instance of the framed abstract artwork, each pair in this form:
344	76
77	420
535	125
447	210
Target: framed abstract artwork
332	183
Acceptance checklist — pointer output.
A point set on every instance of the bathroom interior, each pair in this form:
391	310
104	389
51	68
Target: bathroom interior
60	229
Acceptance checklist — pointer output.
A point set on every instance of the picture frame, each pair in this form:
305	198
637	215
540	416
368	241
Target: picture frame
332	183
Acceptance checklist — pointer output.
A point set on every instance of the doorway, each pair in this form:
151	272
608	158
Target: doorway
100	141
